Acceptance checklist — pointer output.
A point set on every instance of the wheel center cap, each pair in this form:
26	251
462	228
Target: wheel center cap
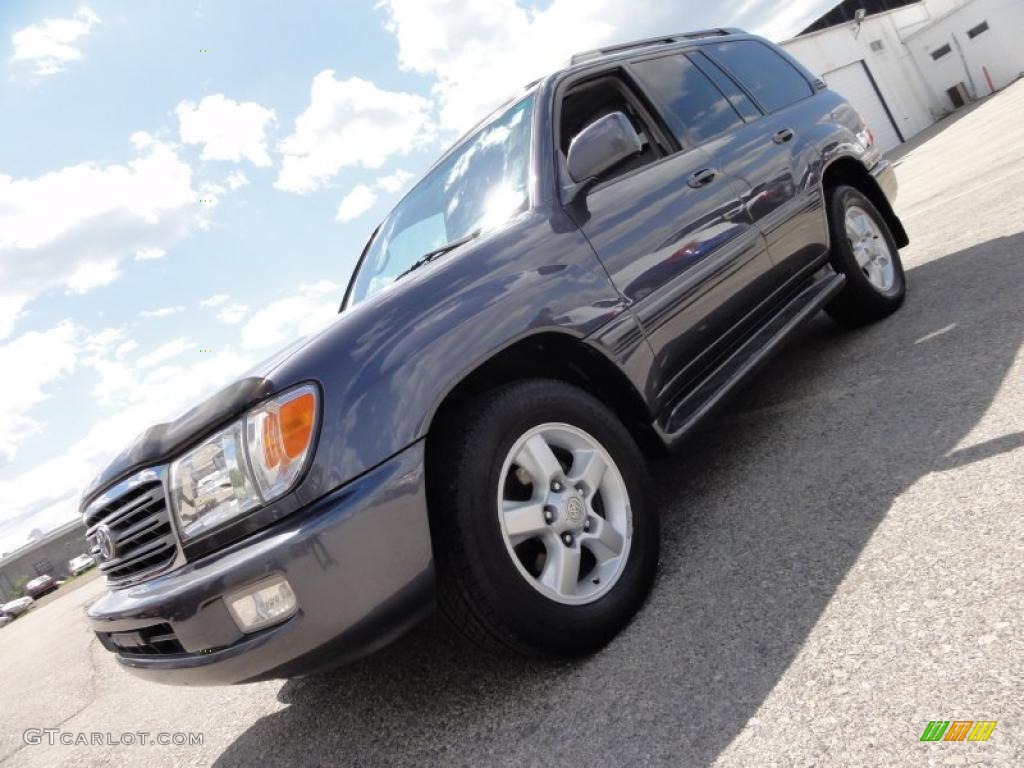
575	511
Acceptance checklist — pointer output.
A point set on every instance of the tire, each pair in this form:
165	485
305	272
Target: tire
875	282
502	595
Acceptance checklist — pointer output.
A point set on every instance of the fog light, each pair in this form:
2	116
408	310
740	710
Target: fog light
259	605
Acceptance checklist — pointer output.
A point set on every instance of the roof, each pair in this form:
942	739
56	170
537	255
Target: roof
650	42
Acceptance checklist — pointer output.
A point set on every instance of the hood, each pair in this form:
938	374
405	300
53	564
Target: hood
161	442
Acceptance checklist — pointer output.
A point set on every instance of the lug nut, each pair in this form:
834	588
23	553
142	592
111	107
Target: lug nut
586	525
556	486
549	515
567	539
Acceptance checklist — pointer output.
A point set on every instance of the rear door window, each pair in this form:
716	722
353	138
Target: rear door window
726	85
697	110
772	80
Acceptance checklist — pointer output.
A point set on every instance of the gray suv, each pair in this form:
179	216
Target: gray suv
571	289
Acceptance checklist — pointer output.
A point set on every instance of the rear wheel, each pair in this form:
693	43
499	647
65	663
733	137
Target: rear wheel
865	251
545	541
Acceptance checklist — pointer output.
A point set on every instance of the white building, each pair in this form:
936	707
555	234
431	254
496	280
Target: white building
906	68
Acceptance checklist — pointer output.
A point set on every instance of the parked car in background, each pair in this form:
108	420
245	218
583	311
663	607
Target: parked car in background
41	585
81	564
5	619
576	284
17	607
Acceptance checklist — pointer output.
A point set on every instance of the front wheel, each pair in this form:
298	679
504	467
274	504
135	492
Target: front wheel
865	251
545	541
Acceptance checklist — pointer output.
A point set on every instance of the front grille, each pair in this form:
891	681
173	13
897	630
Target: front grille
136	523
157	640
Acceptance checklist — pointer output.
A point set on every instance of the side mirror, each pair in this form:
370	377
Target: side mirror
603	144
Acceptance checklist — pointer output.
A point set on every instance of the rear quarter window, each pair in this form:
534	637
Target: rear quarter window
769	77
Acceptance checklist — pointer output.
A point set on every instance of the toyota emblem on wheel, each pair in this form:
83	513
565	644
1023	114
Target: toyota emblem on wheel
105	541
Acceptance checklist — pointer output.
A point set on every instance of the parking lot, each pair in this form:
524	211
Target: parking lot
842	563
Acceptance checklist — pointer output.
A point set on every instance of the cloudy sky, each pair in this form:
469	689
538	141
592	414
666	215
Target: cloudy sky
184	187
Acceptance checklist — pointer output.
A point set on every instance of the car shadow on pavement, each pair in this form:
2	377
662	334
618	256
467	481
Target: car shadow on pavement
764	514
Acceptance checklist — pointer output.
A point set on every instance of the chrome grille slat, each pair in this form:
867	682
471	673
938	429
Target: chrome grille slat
130	508
139	529
149	548
136	515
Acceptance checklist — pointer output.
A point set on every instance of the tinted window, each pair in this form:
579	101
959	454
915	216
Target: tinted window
774	82
725	84
694	103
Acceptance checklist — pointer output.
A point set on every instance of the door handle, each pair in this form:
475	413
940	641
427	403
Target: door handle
702	178
783	136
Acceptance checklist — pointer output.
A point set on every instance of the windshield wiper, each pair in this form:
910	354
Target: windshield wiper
437	253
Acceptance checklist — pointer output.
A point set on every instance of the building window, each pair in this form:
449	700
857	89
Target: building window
975	31
877	46
938	53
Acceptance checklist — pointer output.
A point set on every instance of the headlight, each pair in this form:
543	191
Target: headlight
252	462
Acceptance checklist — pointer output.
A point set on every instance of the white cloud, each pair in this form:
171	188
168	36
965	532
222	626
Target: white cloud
161	312
31	361
214	301
356	203
102	342
363	197
50	44
150	254
394	182
141	139
138	398
92	274
69	228
167	351
10	311
481	52
236	180
349	123
308	310
125	348
233	314
227	129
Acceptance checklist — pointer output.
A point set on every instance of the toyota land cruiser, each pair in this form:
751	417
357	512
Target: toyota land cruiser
577	283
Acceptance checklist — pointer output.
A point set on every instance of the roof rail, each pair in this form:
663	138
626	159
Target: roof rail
597	53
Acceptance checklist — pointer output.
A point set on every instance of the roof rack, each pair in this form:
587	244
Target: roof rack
597	53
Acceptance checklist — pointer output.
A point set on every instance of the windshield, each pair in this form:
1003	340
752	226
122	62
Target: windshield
478	187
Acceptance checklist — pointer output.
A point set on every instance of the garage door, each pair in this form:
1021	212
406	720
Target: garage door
853	82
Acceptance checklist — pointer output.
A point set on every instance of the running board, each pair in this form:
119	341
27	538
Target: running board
735	370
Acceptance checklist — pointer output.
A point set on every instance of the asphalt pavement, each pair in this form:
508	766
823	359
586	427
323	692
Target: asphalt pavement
842	563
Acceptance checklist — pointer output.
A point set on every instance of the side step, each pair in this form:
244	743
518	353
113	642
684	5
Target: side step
746	360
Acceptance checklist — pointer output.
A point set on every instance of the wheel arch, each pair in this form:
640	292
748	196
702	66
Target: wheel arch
849	171
562	357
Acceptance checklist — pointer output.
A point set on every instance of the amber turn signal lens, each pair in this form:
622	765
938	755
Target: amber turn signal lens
279	438
296	424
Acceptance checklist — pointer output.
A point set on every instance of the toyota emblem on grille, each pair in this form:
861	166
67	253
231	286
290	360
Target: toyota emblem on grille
105	541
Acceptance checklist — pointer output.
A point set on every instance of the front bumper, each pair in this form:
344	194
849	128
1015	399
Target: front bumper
358	560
